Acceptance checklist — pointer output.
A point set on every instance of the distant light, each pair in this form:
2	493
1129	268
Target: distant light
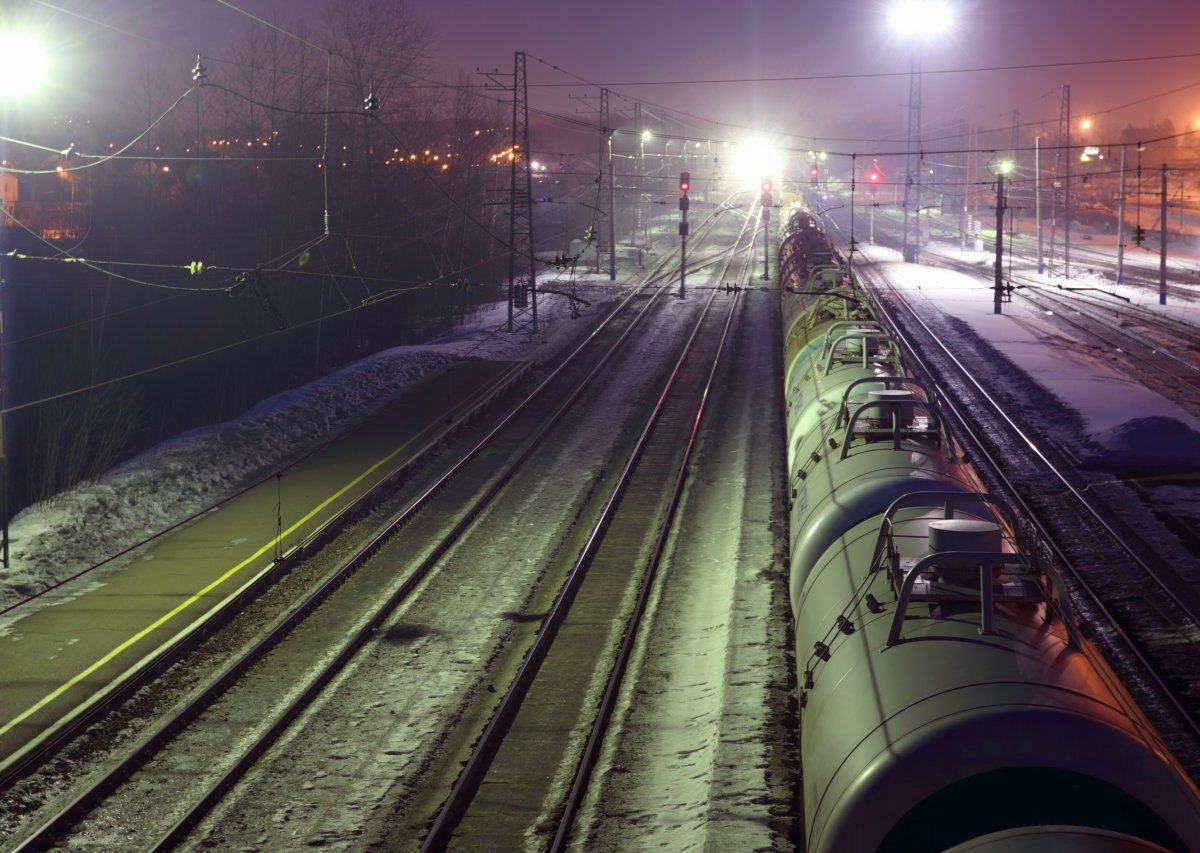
753	161
1086	124
647	136
25	64
1004	167
921	18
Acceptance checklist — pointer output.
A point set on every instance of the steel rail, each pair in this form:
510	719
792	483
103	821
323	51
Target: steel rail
591	752
1148	669
475	769
67	816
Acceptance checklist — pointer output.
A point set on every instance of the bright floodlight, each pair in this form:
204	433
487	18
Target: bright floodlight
754	160
24	63
921	18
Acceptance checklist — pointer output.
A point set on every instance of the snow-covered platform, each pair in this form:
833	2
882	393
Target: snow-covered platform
62	659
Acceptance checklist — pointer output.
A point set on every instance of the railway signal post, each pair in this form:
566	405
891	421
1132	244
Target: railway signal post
685	183
874	175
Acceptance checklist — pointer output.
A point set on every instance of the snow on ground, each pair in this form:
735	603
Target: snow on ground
185	475
1124	423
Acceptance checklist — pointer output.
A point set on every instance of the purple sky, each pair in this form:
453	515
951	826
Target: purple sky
622	43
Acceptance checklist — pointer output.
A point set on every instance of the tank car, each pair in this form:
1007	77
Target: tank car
948	699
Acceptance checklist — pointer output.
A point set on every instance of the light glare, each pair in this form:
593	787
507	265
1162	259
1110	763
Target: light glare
25	61
753	161
921	18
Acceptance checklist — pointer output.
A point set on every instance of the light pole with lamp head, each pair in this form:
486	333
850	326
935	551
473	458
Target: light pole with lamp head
916	20
25	57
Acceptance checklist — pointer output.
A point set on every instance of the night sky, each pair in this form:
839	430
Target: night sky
628	45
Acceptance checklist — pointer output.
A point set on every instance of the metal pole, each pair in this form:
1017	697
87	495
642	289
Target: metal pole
1162	251
1067	195
999	241
600	167
853	185
1121	222
766	242
1037	199
962	219
612	216
683	235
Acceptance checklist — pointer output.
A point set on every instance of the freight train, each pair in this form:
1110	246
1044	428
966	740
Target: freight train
948	700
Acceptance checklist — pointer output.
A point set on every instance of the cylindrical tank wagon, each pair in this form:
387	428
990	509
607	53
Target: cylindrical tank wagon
947	697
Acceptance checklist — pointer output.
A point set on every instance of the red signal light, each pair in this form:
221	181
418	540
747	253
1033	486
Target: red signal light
685	181
873	176
766	185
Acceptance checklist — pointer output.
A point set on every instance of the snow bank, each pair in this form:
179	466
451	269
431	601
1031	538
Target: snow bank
184	475
1152	446
173	480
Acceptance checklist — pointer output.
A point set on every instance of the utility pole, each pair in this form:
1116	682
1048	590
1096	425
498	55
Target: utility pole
1121	221
603	116
1066	110
1016	148
912	180
963	227
999	241
1037	198
639	175
1062	181
1162	251
607	141
520	199
685	182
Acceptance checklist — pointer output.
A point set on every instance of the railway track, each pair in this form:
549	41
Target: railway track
1142	610
1159	348
445	498
551	707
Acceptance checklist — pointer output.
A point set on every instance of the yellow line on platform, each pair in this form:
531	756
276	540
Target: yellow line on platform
184	605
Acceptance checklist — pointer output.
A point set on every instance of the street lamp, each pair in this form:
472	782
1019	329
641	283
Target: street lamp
25	63
916	20
26	66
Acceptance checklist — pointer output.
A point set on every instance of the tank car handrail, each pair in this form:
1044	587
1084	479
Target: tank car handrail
799	265
898	434
824	270
984	561
893	357
999	509
890	382
838	326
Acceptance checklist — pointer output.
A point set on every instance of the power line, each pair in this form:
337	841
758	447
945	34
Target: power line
98	159
876	75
